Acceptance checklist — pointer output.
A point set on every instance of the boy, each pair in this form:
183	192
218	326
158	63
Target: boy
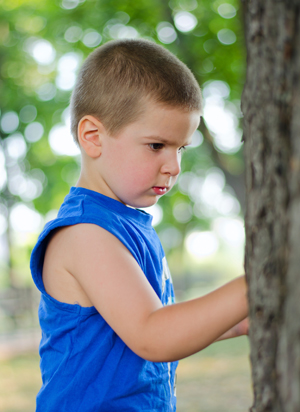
111	336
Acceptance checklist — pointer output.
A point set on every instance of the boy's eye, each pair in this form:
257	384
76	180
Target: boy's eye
156	146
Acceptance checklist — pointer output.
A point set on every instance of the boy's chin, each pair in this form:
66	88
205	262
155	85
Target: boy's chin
143	204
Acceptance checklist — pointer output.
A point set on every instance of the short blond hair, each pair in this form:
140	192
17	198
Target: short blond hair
117	77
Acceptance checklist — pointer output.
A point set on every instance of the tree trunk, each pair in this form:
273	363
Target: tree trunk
271	106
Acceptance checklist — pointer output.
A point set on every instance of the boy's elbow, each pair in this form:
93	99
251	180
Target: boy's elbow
152	353
152	343
149	355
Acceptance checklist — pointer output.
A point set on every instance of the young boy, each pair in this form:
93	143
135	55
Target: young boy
111	335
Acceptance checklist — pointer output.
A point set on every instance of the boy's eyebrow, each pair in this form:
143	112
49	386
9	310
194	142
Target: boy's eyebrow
164	141
161	139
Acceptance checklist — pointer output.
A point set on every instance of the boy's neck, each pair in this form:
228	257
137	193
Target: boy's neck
88	184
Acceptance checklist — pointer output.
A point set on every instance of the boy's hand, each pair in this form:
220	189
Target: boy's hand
242	328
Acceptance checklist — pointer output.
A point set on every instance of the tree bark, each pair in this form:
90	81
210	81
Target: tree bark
271	107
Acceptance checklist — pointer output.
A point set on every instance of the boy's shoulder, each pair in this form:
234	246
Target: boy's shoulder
71	246
86	228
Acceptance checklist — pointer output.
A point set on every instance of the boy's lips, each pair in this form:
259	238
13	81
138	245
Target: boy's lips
160	190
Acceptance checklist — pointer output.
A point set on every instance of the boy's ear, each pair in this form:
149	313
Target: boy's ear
90	131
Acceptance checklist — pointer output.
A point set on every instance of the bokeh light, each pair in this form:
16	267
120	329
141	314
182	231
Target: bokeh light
157	213
121	31
170	237
16	146
91	38
227	204
185	21
43	52
224	124
197	139
23	218
226	36
188	5
212	185
69	62
9	122
3	175
70	4
182	211
46	92
65	80
185	180
67	67
221	120
202	244
231	230
28	113
34	132
26	188
227	11
3	223
209	193
62	142
166	32
216	88
73	34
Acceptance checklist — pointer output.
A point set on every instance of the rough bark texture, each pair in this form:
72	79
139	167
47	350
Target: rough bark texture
271	107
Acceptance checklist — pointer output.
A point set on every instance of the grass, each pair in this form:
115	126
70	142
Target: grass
217	379
19	382
214	380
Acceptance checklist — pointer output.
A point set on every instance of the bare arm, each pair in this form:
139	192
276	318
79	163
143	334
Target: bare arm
242	328
119	290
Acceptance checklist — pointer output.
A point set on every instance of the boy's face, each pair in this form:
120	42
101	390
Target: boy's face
142	161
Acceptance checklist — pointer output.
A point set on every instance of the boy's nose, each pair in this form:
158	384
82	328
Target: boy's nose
172	165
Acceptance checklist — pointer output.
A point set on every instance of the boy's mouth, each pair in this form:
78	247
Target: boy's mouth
160	190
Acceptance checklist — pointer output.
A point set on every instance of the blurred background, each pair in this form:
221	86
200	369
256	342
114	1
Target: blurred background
200	223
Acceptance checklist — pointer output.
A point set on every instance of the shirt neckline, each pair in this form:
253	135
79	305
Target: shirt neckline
112	204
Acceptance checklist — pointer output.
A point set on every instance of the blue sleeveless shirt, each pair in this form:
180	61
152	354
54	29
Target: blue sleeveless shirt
85	366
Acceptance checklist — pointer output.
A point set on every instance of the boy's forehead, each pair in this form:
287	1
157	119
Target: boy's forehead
164	123
161	120
151	107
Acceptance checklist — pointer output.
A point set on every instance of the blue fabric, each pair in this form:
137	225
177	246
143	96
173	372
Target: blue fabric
85	366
